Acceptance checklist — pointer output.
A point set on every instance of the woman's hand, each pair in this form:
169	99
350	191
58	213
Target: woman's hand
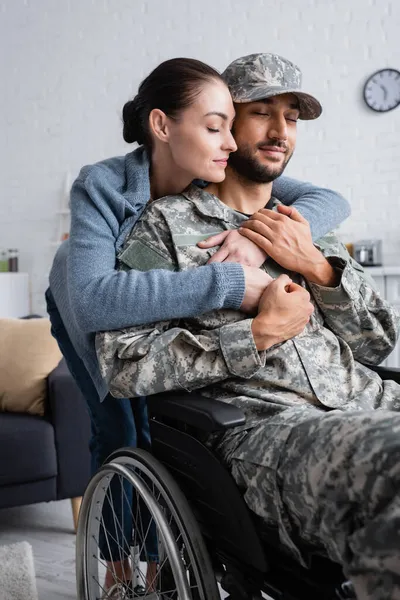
234	248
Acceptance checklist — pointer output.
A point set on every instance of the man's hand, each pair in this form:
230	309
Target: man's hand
234	248
285	236
256	281
284	311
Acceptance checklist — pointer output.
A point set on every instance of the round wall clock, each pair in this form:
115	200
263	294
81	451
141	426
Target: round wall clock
382	90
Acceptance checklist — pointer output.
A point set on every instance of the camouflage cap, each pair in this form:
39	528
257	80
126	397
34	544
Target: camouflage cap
259	76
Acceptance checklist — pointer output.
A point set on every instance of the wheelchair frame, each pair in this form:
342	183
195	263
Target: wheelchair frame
244	566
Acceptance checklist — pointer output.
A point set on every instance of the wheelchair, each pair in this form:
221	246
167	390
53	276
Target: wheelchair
208	540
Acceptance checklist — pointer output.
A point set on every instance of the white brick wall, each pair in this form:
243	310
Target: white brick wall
68	66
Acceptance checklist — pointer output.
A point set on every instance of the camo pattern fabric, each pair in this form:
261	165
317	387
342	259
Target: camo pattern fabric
260	76
318	367
311	455
329	483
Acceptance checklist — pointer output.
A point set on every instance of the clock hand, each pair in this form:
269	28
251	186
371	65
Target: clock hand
384	91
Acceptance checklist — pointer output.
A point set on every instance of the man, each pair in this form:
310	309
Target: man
315	458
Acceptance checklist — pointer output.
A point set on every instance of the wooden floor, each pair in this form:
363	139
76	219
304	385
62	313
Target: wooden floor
48	528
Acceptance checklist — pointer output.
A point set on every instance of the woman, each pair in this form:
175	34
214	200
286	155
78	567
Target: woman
185	96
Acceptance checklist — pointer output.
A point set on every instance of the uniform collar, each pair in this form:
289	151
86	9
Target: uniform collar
210	206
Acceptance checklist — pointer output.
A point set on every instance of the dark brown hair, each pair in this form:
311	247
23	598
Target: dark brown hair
171	87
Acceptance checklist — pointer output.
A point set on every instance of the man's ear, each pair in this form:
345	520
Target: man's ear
158	122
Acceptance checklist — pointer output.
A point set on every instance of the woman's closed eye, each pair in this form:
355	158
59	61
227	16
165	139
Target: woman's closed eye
212	130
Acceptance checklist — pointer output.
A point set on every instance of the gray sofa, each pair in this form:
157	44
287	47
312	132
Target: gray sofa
46	458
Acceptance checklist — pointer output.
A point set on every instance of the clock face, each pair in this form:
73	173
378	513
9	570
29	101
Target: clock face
382	90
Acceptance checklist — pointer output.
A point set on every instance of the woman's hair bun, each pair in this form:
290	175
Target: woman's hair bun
132	131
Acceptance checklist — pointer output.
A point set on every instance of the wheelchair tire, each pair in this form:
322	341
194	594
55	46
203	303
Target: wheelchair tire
184	568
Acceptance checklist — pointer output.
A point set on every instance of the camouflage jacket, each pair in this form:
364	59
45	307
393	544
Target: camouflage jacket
351	324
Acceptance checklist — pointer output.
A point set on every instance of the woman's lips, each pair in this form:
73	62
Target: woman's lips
221	161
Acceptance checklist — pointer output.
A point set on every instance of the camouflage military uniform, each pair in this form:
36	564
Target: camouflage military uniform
303	463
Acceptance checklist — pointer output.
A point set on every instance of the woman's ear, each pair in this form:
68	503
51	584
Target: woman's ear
158	122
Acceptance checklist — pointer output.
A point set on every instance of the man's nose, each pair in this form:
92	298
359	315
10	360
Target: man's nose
278	129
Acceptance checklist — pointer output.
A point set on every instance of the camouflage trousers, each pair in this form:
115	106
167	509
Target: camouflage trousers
330	480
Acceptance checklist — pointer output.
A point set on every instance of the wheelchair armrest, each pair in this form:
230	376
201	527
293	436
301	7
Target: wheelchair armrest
386	372
193	409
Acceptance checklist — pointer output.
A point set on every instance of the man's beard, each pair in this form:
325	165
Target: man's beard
244	163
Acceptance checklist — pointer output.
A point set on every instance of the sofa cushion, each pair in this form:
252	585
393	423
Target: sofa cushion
28	353
27	449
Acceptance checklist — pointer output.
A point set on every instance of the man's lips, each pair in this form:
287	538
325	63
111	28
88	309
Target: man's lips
273	149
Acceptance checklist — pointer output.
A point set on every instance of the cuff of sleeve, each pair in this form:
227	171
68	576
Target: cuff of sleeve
239	349
348	288
230	277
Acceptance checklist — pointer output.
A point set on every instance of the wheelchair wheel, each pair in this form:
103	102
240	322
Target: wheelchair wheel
183	570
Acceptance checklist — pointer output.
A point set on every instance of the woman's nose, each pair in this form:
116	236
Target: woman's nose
230	143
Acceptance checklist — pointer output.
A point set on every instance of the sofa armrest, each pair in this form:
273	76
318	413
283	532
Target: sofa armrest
69	416
196	410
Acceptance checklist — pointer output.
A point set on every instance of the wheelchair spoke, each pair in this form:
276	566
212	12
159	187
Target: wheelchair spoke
100	586
138	526
116	521
122	495
104	563
108	546
132	517
136	571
